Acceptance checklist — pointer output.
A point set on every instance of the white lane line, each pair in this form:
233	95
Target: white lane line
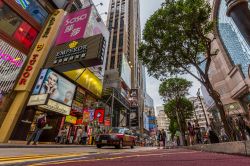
55	161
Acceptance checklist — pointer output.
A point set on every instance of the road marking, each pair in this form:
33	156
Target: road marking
22	159
113	158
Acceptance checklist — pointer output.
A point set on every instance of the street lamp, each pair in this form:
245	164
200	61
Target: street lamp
199	97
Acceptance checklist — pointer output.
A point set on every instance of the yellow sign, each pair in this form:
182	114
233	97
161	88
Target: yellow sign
86	79
39	47
73	44
70	119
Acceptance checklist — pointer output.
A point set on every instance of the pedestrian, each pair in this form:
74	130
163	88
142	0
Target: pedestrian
72	134
213	136
84	137
191	133
79	135
198	135
40	124
164	138
59	136
159	138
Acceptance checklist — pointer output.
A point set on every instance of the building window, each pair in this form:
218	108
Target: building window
120	40
119	63
112	62
114	42
15	27
34	9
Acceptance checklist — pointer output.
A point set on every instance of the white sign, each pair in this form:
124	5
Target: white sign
37	99
56	107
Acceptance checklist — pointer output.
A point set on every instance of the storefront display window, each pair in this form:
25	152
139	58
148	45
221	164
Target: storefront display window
14	26
34	9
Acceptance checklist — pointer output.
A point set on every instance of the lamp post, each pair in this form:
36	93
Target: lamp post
199	97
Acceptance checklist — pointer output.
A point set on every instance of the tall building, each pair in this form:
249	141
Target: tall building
163	121
199	113
229	70
123	69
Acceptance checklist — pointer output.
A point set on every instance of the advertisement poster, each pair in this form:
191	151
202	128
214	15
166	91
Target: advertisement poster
91	114
134	118
86	116
39	83
73	26
99	115
58	88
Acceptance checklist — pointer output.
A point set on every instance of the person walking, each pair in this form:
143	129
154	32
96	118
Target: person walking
84	137
191	133
79	135
159	138
41	121
164	138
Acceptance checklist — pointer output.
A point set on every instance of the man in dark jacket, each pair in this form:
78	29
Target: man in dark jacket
40	124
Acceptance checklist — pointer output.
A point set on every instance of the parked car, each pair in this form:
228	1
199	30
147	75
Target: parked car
117	137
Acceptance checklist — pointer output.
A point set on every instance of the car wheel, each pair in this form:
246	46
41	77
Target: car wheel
133	145
120	144
99	146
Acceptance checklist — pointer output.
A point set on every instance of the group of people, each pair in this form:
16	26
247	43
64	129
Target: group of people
161	137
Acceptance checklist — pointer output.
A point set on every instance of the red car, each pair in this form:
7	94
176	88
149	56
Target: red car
117	137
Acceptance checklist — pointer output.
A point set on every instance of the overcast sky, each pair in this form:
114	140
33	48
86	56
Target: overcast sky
148	7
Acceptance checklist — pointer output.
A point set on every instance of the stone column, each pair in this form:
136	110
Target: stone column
238	10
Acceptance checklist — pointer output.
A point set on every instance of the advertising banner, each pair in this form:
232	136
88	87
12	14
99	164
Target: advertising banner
39	83
99	115
107	122
91	115
86	116
73	26
126	71
134	98
11	62
134	117
58	88
37	99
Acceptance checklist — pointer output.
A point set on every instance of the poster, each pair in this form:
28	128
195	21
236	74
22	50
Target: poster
91	114
86	116
39	83
99	115
58	88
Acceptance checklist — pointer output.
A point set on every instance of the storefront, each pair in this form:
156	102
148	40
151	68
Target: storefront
19	28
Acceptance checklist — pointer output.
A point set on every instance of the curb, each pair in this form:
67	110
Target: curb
45	146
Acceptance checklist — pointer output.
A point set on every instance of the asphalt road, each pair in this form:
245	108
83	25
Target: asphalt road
138	157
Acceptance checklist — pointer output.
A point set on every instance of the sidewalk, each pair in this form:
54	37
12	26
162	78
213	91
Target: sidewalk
41	145
237	148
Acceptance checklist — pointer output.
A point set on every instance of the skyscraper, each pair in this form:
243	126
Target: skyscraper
123	69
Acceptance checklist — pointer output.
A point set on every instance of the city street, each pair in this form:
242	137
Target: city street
108	156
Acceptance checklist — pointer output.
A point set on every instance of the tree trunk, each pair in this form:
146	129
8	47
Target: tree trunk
216	97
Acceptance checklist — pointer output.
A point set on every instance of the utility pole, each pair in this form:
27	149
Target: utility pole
199	97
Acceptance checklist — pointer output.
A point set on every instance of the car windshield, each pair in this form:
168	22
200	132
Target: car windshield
117	130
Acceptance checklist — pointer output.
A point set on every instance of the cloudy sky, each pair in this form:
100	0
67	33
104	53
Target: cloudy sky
148	7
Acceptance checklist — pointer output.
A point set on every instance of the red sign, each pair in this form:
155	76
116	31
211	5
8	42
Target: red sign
25	34
99	115
79	121
107	122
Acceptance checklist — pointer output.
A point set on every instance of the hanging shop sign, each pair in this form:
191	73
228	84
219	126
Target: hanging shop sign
38	56
73	26
99	115
86	116
77	106
71	119
76	54
11	62
134	117
107	122
56	107
80	95
37	99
